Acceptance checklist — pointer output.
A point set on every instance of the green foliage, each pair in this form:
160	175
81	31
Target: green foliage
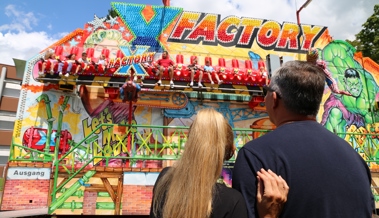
112	13
356	44
368	38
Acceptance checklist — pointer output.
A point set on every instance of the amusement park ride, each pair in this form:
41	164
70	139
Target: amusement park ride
99	115
81	72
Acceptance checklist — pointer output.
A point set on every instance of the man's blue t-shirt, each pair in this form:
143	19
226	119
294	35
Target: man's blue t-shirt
326	176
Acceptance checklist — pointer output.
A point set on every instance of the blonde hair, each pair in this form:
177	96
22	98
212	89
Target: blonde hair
100	35
188	187
48	54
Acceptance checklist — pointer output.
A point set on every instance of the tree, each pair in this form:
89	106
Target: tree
368	37
356	44
112	13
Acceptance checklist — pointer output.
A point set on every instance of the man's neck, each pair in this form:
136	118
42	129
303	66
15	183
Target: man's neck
294	118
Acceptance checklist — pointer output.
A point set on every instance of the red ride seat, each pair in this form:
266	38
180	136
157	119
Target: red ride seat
74	50
250	75
208	59
90	57
59	53
260	80
100	68
235	71
214	67
192	58
180	68
222	69
105	52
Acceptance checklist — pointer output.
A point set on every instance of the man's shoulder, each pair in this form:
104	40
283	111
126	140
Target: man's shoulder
267	136
280	134
256	146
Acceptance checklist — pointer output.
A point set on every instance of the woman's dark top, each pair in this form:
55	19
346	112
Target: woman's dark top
227	202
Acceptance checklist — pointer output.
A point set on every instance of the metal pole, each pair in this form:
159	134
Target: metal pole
130	115
57	145
50	120
2	80
130	126
70	191
148	85
301	8
298	18
166	3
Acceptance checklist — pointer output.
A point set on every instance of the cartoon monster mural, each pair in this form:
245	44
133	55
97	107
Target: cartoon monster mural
352	117
343	113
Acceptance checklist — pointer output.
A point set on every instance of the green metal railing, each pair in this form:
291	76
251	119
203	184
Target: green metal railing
73	205
366	144
150	145
31	155
146	143
157	143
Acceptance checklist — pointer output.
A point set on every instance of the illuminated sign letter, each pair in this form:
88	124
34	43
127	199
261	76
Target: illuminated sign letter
311	35
186	22
289	39
250	28
205	30
268	35
227	30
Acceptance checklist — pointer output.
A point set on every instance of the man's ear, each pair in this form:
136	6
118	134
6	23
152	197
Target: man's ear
275	100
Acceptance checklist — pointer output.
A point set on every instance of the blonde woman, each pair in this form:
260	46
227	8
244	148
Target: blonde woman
48	57
189	189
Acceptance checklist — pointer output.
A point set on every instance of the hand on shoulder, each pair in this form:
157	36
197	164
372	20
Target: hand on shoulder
272	191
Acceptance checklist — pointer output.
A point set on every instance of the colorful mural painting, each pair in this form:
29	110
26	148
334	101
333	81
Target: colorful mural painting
101	111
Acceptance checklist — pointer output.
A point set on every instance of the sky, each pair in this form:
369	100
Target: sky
29	26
